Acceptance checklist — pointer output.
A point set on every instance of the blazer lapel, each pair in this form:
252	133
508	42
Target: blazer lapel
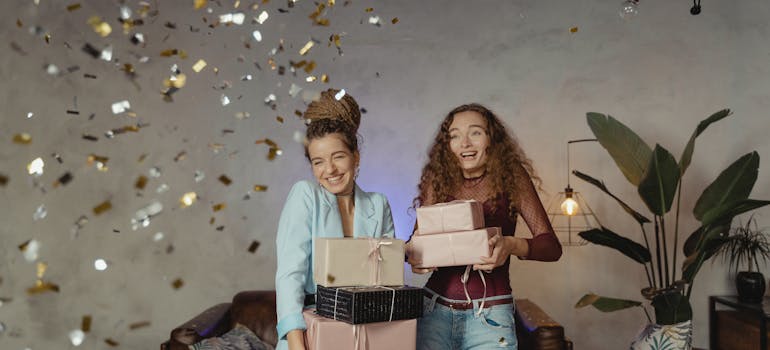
364	223
331	221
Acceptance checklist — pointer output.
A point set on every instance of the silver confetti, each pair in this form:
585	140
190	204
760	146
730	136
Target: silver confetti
294	90
77	336
157	237
162	188
143	216
257	36
199	176
340	95
40	213
52	69
155	172
106	53
125	12
31	250
225	100
120	107
262	17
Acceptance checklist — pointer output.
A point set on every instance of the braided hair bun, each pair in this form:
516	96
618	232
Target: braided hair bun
330	115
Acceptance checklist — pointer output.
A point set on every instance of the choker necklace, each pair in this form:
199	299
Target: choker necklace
469	182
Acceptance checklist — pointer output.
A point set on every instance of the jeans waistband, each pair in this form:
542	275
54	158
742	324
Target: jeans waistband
439	296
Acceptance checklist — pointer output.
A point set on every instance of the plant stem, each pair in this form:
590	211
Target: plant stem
665	247
649	319
676	227
657	251
652	266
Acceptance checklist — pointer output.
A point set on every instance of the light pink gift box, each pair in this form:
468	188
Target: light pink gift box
459	215
452	249
327	334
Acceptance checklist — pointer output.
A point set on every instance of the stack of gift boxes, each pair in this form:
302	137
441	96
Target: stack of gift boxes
451	234
361	299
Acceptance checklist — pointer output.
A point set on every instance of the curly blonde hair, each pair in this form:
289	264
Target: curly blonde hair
506	164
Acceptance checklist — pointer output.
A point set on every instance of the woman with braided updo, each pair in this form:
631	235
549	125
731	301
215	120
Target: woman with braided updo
474	157
331	206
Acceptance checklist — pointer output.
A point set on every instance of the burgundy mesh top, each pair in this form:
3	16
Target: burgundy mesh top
543	246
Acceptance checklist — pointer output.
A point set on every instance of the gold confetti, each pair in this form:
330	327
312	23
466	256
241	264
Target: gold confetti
85	324
180	156
19	23
172	52
177	81
178	283
101	27
212	220
3	180
573	30
331	3
188	199
199	4
99	161
225	180
260	188
198	66
102	207
309	67
306	48
279	119
22	138
41	269
219	206
253	247
73	7
111	342
311	78
42	287
324	78
63	180
142	158
142	324
394	20
141	181
369	9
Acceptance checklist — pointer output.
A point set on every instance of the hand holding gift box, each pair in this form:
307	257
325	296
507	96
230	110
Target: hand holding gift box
452	249
339	262
459	215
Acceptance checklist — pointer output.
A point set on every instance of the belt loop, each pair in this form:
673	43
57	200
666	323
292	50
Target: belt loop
432	304
476	310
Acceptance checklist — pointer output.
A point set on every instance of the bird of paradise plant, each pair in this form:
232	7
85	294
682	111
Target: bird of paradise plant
657	176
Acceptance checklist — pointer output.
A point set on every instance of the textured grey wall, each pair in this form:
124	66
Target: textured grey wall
660	73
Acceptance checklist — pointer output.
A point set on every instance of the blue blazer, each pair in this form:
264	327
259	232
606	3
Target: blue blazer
310	212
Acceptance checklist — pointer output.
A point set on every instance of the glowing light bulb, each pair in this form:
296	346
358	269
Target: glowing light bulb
569	207
629	9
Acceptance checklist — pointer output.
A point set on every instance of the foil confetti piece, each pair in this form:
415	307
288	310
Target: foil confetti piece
253	246
339	95
102	207
375	20
246	77
155	172
100	265
40	213
63	180
41	268
199	4
260	188
22	138
224	100
369	9
76	337
243	115
73	7
140	182
157	237
120	107
42	287
142	216
30	115
573	30
279	119
85	323
52	69
111	342
137	38
141	324
294	90
180	156
198	66
225	180
162	188
257	35
100	27
262	17
90	137
3	180
30	250
212	220
304	50
36	167
188	199
79	224
178	283
99	161
232	18
394	20
199	176
219	206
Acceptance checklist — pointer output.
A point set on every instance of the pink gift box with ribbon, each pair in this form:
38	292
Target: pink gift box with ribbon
342	262
452	249
327	334
459	215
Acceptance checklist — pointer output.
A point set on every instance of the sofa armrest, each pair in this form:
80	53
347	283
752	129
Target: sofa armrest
212	322
536	330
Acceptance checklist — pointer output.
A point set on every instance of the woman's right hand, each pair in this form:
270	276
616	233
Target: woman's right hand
414	262
296	339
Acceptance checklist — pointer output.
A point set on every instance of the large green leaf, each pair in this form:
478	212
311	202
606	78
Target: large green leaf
641	219
626	148
691	244
658	186
733	184
671	308
605	304
684	160
727	211
607	238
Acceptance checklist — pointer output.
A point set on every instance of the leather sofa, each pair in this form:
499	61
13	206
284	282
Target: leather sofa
256	310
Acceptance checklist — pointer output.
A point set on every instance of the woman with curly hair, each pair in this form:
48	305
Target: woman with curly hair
474	157
331	206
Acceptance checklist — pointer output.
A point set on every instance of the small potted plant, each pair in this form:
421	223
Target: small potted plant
745	246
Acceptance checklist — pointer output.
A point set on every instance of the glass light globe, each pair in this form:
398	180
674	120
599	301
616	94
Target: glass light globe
569	207
629	9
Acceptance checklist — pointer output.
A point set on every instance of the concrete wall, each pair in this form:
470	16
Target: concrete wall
660	73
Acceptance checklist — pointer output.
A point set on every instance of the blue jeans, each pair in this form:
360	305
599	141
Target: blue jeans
444	328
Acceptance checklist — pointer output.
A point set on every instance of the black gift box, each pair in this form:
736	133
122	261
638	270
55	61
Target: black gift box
357	305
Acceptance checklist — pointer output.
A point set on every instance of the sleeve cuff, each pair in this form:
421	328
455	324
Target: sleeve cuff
289	323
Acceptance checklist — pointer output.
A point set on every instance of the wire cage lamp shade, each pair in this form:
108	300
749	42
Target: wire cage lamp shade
569	213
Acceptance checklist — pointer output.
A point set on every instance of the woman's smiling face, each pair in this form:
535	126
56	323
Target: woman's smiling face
333	163
468	141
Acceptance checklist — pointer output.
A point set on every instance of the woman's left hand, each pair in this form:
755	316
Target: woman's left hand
502	248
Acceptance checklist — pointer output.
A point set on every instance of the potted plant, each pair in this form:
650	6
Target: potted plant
658	176
746	246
